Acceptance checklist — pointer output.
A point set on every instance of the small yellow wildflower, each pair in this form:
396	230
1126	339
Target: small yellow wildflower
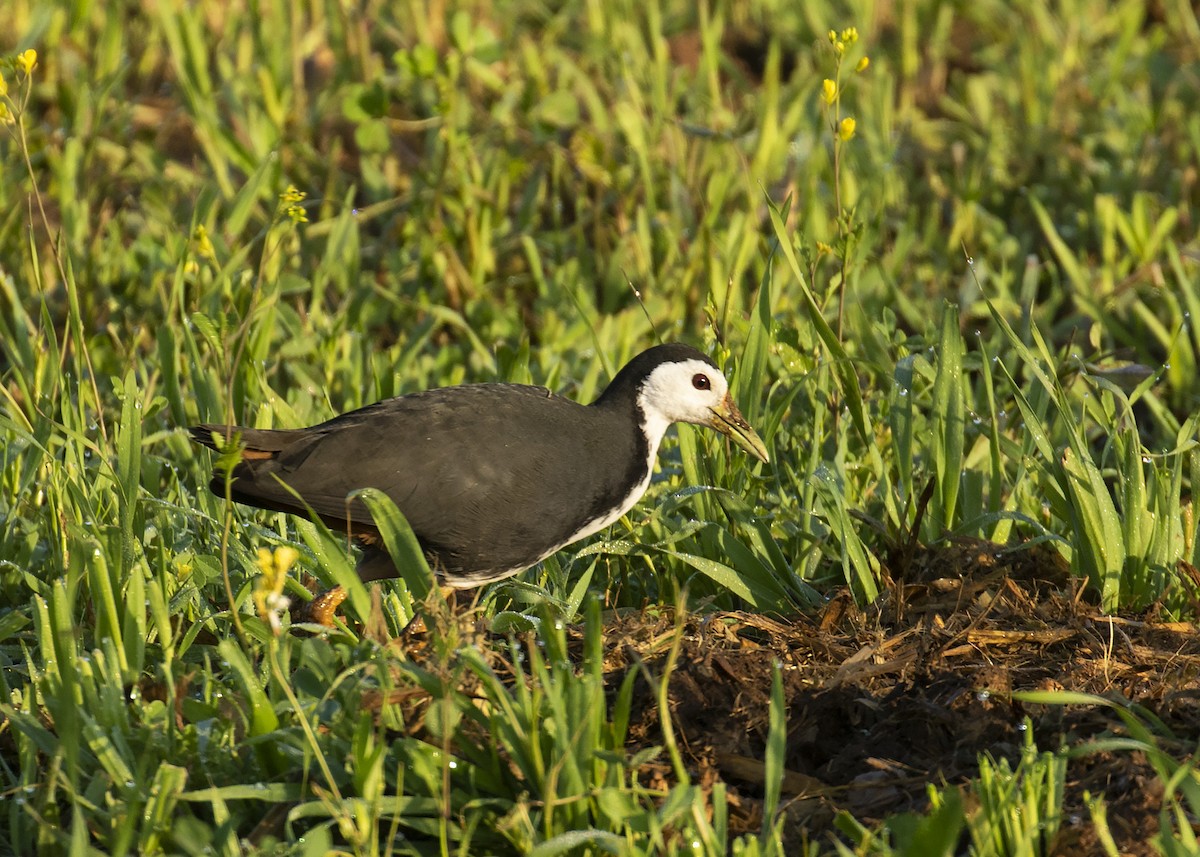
862	64
846	128
824	249
828	91
6	118
291	199
27	61
3	85
833	37
268	591
292	195
850	35
204	245
839	48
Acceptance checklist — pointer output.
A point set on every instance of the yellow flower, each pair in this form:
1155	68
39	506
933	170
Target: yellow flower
183	566
839	48
292	195
824	249
828	91
862	64
850	35
268	591
26	61
204	245
846	128
291	199
3	86
274	566
833	37
6	118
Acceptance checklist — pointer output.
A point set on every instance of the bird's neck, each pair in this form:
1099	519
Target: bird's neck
654	426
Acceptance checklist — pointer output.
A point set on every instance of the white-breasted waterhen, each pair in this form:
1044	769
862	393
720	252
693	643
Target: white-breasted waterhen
492	478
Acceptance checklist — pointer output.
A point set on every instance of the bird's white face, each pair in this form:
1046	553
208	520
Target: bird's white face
692	391
689	392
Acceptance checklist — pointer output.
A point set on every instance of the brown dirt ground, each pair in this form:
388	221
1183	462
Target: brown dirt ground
883	701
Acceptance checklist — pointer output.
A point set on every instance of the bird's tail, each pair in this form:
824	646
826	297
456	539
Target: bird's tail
255	443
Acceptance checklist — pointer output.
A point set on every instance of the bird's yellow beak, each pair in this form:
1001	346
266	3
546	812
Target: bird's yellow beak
728	420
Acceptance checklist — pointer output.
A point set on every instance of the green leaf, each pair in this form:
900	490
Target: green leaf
559	109
267	792
263	719
775	757
401	543
608	843
948	416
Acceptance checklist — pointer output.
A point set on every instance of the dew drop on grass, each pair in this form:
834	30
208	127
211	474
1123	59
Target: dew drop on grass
983	695
452	765
1022	727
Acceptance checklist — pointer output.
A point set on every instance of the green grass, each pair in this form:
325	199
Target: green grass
973	318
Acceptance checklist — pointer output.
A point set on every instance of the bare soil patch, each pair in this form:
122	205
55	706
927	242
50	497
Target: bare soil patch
883	701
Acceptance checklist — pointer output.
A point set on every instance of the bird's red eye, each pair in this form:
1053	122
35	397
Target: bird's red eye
701	382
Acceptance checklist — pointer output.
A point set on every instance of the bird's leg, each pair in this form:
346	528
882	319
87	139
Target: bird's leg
323	607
